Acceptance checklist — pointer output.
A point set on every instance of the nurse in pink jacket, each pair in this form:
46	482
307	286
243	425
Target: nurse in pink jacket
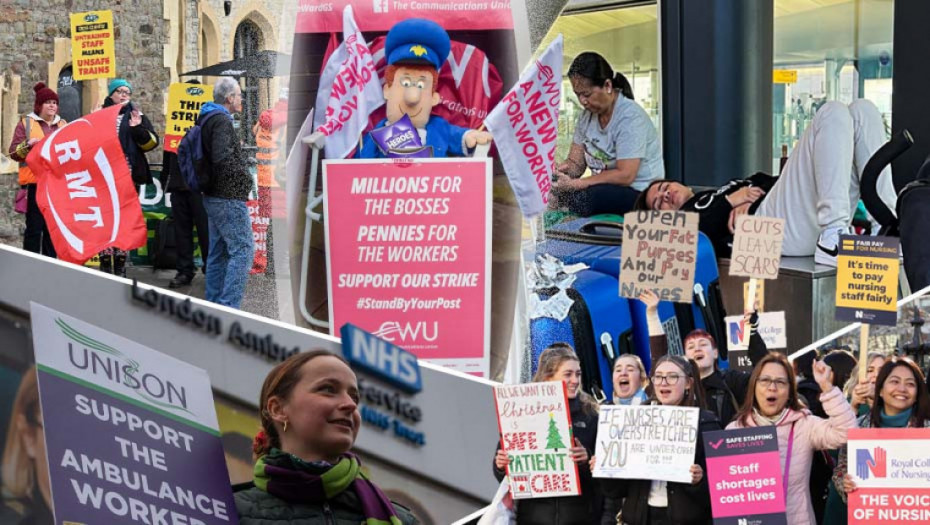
772	399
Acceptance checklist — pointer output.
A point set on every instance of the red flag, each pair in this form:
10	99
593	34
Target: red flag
85	189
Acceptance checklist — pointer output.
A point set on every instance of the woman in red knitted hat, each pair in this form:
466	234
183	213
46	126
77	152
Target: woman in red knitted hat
32	128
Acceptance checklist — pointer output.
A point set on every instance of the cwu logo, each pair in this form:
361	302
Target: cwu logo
875	462
393	330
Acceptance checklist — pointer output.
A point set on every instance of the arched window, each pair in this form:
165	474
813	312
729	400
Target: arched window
248	42
69	95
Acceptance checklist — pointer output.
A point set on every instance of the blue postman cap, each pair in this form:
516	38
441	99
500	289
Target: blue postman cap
417	40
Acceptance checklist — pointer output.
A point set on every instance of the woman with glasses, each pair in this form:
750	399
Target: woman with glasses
559	362
614	138
901	401
772	399
674	382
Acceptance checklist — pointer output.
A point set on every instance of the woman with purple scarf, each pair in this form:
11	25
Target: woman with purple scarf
304	473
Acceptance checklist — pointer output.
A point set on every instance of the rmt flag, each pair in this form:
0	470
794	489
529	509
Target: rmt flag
85	189
525	127
354	93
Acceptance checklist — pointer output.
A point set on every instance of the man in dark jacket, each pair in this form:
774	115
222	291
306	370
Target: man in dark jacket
188	213
224	198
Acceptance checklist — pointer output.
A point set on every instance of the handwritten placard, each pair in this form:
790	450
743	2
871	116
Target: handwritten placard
867	279
646	442
536	433
757	247
659	254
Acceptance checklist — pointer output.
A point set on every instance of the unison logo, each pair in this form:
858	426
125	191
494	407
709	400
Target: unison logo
195	91
93	17
108	364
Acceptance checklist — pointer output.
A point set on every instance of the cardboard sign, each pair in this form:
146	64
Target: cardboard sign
119	417
93	52
771	328
867	279
646	442
659	253
757	247
745	477
892	474
184	101
408	255
535	427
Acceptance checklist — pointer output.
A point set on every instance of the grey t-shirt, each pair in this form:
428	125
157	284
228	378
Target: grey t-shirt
629	135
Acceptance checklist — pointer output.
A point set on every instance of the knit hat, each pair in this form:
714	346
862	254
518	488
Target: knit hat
43	95
117	83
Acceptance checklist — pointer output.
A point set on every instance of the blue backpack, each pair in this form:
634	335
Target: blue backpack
192	159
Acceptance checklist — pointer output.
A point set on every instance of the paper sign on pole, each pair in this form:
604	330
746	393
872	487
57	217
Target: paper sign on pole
867	279
119	417
757	247
408	254
759	304
771	328
184	101
93	53
745	477
892	475
646	442
659	253
535	427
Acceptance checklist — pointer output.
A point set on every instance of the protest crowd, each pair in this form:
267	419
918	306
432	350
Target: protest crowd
657	427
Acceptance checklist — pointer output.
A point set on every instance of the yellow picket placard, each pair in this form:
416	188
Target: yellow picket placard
184	101
785	76
867	279
93	53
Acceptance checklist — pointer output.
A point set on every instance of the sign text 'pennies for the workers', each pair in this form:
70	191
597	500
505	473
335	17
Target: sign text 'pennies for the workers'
659	253
184	101
745	476
867	279
757	247
535	428
408	255
892	476
646	442
149	448
92	50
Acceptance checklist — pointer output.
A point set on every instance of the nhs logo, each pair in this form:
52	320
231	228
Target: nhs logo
381	358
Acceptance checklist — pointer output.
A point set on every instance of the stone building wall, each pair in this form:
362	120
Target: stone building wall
28	31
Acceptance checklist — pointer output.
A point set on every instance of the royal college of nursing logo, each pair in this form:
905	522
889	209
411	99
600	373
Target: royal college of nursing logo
875	462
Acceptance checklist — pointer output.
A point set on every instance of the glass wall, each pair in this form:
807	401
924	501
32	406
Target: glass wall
627	37
829	50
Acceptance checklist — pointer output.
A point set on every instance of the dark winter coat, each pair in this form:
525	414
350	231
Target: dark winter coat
724	390
229	176
257	507
136	141
577	510
687	504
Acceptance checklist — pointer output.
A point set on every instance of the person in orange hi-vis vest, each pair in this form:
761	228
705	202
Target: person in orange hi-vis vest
31	129
267	137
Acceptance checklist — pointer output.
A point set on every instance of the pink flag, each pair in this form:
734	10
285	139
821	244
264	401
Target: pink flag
352	91
525	127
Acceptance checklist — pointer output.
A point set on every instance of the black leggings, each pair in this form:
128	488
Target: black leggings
600	198
36	238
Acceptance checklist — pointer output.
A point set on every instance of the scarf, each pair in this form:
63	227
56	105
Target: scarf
764	421
294	480
638	398
898	421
